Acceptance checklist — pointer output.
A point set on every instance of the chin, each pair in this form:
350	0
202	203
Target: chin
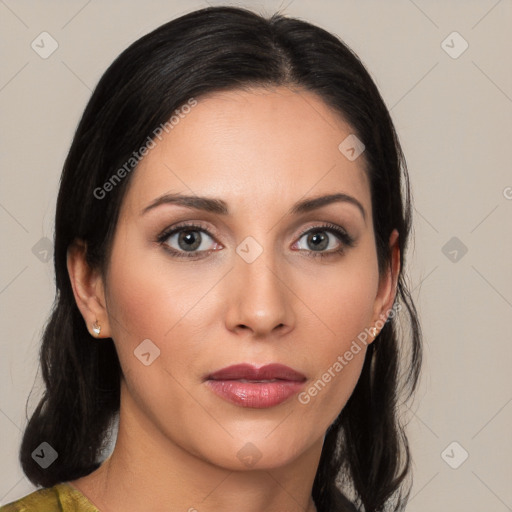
260	453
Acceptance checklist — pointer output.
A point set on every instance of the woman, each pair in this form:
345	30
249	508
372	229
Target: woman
230	236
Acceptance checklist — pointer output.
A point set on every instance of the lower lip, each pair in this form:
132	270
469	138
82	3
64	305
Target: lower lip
257	395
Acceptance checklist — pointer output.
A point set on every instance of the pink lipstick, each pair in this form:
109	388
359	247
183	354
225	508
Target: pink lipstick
247	386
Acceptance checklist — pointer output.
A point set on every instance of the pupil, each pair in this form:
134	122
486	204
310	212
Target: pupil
191	239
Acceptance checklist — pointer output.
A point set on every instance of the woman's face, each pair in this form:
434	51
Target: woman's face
249	282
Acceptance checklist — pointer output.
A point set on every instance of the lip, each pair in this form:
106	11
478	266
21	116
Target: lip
248	386
250	372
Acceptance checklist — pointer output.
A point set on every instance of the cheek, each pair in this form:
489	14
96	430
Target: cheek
343	307
143	296
341	298
147	302
150	299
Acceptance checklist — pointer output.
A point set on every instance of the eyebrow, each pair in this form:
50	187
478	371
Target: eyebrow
219	206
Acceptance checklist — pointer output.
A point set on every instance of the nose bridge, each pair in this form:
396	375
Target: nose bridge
259	299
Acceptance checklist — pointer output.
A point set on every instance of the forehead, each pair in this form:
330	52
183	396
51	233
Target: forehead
259	147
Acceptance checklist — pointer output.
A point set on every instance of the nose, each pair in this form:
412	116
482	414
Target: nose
259	298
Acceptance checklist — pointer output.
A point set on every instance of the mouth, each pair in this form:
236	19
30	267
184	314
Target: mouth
247	386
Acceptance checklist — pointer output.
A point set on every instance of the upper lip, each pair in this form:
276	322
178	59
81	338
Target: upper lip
249	372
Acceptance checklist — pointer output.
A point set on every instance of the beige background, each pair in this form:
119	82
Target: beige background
454	118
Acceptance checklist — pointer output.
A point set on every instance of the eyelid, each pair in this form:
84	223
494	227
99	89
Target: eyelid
339	231
183	225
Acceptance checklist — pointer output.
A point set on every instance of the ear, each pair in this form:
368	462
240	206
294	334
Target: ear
88	289
387	285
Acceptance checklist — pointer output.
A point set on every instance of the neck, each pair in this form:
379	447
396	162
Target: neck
147	470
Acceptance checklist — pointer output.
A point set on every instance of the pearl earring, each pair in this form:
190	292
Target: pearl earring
374	331
96	328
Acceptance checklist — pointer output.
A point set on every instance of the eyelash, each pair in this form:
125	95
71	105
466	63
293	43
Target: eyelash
342	235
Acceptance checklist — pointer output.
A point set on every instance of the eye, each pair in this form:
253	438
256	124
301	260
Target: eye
188	241
325	240
191	240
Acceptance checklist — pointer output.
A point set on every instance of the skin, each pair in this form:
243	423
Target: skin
260	151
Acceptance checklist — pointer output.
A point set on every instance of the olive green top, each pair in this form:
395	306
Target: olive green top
59	498
66	498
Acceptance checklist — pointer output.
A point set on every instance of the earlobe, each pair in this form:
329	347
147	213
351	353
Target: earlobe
88	289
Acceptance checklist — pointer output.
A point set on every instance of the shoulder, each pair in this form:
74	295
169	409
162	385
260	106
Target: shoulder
59	498
47	499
